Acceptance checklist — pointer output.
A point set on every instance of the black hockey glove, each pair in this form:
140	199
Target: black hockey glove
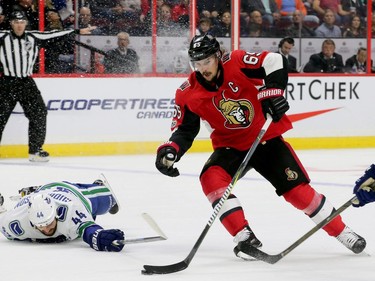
276	107
165	157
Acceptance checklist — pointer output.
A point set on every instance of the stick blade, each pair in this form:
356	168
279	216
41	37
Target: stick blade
164	269
152	223
262	256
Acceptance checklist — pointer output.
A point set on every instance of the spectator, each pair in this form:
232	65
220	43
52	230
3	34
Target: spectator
85	19
309	7
355	29
285	46
224	27
146	9
53	20
6	9
288	7
268	8
2	17
320	7
357	63
180	62
122	59
326	61
204	27
328	29
348	8
130	9
109	13
144	28
103	8
298	28
60	58
212	8
256	27
65	10
180	13
166	26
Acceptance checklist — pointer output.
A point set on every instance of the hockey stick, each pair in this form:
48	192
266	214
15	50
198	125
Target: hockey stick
138	240
152	223
260	255
272	259
165	269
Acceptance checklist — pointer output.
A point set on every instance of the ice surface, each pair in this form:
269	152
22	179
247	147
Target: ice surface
182	211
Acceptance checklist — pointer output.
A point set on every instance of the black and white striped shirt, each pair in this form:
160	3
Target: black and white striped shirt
18	54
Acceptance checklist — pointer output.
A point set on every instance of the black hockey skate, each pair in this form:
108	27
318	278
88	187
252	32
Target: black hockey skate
39	156
246	239
352	240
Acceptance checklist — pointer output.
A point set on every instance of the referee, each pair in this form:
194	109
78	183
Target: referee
19	51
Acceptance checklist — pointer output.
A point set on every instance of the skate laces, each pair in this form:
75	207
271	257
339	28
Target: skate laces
348	237
243	235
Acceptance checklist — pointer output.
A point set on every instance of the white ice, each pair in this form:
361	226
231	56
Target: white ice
182	211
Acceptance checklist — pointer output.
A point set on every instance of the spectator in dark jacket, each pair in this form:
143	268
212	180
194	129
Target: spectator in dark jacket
358	62
285	46
326	61
122	59
270	12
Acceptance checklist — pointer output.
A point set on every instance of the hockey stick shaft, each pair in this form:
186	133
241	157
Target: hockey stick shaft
149	269
272	259
258	254
138	240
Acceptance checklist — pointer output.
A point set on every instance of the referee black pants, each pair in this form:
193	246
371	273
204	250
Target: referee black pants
26	92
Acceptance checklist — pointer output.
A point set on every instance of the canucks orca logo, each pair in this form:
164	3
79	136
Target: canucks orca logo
238	113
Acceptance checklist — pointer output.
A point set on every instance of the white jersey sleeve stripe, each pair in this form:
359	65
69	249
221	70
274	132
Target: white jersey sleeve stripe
272	62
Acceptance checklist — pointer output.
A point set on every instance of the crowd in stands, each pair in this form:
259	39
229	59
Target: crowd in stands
303	18
258	18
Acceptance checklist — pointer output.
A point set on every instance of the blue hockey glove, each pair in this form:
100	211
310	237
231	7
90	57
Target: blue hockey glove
274	103
165	157
101	240
364	187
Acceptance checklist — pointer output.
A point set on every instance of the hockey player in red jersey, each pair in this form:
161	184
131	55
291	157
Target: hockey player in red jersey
232	93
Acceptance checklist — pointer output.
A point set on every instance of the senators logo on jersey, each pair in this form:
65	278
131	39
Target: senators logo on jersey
238	113
291	175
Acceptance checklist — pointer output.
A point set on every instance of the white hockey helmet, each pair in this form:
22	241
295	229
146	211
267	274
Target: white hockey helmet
42	210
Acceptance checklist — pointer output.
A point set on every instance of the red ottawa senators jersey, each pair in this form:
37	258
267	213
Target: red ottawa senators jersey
231	111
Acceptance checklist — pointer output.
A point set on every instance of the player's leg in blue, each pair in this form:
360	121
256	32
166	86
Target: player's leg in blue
101	196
